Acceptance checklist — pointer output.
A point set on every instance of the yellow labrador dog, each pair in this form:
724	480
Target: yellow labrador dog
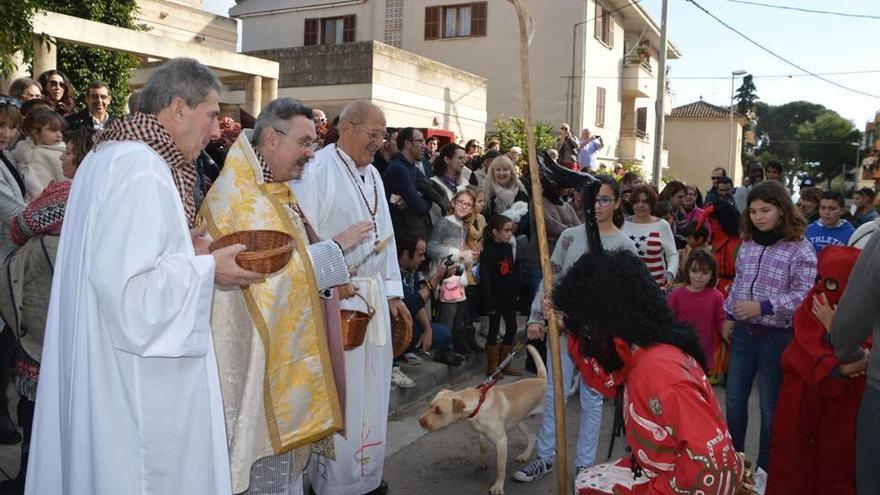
506	405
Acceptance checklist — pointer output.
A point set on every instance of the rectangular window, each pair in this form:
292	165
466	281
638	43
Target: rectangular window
600	107
455	21
329	31
642	122
603	27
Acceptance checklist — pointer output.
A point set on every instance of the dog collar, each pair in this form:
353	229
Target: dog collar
484	389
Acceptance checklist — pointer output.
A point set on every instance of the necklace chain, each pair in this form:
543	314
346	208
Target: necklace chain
375	208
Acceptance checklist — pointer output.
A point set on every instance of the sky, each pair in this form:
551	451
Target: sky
820	43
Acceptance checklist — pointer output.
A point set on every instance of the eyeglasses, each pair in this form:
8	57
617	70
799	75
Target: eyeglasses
464	203
604	201
54	83
304	143
8	100
374	135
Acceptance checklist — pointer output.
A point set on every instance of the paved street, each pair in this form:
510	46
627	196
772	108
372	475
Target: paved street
445	462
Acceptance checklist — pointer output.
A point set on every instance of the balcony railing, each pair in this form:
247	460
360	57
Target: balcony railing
636	133
636	60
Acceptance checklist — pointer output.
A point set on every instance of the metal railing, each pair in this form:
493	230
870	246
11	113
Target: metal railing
636	133
636	60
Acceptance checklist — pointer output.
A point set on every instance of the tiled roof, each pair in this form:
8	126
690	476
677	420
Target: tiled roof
702	110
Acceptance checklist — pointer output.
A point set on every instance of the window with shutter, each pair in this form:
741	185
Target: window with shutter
432	22
311	32
348	23
603	27
600	107
456	21
478	18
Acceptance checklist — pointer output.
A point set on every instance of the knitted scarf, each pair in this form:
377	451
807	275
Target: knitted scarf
147	129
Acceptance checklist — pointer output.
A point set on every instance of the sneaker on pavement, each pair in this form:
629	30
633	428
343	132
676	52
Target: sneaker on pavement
412	358
400	379
534	471
760	478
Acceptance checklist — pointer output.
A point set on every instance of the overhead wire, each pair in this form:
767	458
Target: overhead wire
809	11
780	57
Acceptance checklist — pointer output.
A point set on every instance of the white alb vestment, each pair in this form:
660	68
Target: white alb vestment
334	195
129	397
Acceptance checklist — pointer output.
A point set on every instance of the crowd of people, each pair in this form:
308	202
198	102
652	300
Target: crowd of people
164	366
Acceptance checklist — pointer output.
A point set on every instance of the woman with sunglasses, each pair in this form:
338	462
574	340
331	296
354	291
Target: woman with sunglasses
57	87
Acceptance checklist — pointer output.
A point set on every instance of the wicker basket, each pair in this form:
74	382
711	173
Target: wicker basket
267	250
354	325
401	335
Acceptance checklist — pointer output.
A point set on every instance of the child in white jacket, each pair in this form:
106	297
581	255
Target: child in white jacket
38	156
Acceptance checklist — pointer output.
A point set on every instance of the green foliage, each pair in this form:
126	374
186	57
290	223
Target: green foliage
831	148
16	34
746	95
81	64
512	132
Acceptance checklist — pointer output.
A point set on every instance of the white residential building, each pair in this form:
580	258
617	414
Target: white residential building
592	62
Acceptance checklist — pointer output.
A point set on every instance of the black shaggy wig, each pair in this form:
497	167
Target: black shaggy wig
611	294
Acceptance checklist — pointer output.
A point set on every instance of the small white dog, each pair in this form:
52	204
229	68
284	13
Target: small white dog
506	405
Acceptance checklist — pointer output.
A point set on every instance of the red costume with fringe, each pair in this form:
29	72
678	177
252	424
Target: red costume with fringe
814	428
674	426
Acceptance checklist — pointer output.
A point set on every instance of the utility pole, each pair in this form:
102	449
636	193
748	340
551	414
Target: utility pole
659	118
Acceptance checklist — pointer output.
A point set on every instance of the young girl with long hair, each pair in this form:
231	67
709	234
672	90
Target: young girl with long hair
39	154
775	269
448	245
699	303
500	280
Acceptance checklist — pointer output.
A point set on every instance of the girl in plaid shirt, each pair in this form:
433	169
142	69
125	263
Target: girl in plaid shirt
775	269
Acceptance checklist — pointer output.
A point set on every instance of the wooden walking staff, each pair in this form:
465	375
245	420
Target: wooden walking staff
537	194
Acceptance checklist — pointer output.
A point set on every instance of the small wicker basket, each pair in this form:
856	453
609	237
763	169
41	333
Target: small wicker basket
354	325
267	250
401	335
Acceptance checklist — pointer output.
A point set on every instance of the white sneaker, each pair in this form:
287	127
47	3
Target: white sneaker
400	379
760	478
412	358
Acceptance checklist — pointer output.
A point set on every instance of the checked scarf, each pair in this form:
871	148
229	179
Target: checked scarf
147	129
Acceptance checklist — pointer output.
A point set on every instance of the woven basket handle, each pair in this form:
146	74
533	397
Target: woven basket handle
370	310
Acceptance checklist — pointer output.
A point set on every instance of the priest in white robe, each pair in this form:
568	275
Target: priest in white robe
339	188
129	396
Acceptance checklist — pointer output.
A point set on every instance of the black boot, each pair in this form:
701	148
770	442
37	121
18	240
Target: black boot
470	335
459	341
446	357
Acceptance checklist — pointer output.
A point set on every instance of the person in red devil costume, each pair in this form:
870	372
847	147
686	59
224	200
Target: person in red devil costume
628	340
814	429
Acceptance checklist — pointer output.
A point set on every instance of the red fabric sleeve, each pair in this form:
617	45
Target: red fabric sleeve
686	444
810	355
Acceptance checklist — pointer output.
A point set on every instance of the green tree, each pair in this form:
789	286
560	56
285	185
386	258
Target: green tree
777	127
81	64
746	95
826	142
512	132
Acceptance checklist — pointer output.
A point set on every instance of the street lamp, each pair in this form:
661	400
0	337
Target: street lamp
731	153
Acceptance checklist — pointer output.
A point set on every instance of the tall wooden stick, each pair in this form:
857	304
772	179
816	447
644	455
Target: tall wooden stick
538	197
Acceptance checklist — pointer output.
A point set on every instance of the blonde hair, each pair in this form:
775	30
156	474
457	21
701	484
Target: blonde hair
499	162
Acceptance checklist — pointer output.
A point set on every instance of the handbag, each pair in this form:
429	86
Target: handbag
452	290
